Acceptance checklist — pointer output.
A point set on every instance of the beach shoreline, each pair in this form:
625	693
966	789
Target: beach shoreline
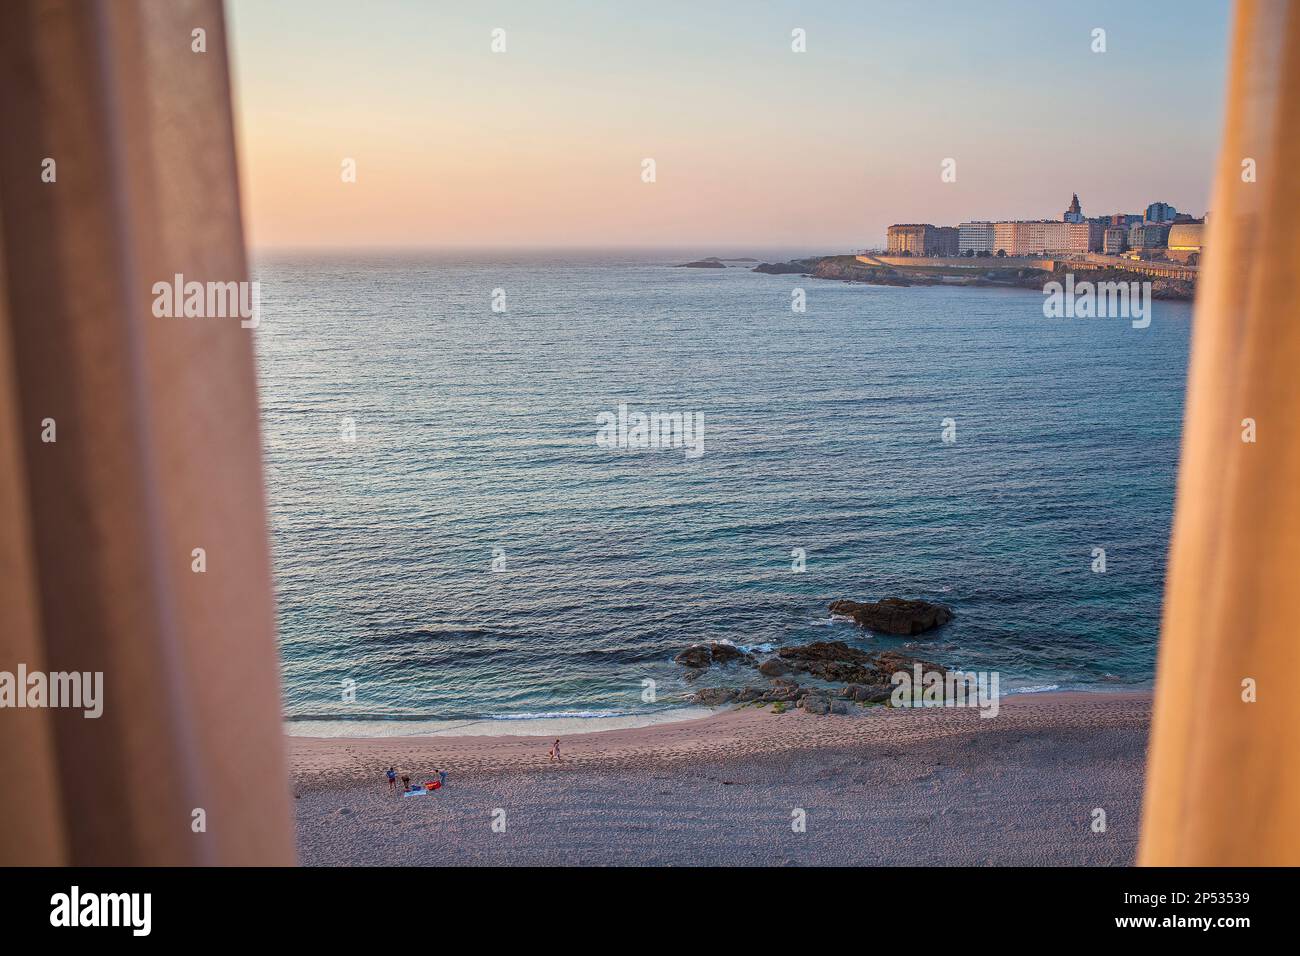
532	725
928	786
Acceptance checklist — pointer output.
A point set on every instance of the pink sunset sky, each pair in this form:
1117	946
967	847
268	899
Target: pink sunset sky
755	145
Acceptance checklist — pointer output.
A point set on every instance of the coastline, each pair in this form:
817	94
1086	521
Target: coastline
930	786
987	273
566	723
523	725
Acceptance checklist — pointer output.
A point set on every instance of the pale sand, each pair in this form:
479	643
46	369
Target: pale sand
888	786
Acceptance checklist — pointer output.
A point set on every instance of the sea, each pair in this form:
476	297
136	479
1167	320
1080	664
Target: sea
456	550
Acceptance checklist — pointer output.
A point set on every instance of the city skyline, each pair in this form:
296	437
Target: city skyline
1072	231
755	145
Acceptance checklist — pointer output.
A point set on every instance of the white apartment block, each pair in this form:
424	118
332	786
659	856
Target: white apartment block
975	237
1036	237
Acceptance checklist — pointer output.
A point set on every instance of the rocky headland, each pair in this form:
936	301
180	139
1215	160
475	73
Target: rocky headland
991	275
842	268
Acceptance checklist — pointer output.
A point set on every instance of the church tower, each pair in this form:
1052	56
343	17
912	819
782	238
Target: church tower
1075	212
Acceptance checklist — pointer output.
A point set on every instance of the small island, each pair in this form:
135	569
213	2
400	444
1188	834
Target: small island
713	262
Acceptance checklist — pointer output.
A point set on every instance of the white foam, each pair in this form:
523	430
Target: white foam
1038	689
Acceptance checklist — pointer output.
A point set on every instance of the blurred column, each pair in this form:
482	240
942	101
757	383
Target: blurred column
1223	778
157	449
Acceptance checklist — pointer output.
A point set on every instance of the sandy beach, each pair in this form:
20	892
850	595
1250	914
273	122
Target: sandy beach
921	787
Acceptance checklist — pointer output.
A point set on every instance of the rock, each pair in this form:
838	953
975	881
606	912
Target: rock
697	656
725	652
784	690
836	662
866	674
889	663
823	651
832	661
710	263
702	655
895	615
816	704
837	672
795	266
713	696
868	693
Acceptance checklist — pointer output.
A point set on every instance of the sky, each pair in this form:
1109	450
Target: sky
754	145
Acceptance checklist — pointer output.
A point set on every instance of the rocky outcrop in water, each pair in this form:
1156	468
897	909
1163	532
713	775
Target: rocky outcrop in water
836	662
702	655
907	618
774	667
866	676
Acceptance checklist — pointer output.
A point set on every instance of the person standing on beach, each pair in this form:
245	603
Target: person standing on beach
392	778
406	783
555	749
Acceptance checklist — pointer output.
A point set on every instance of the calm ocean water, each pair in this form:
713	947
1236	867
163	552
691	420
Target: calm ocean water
475	431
